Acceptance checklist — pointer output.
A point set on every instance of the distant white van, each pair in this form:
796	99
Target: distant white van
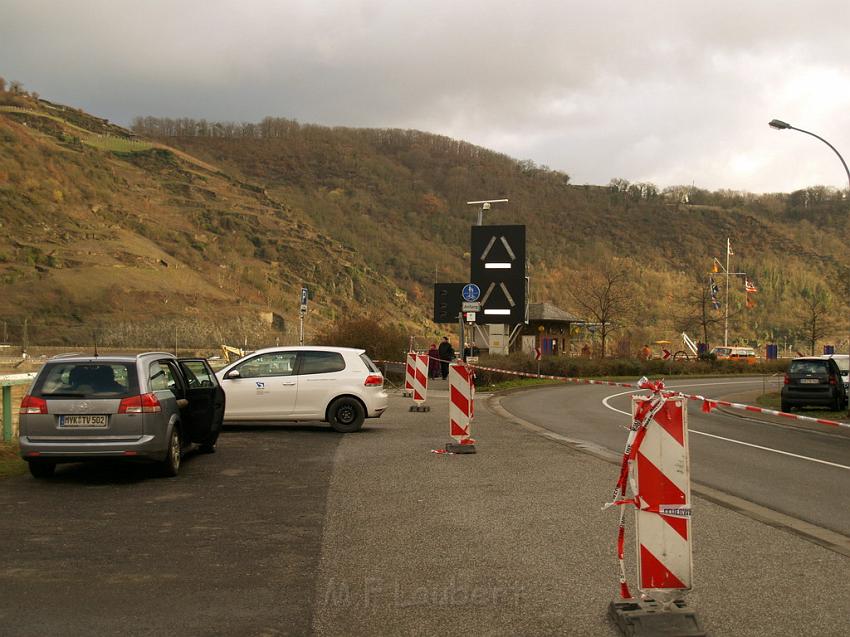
743	354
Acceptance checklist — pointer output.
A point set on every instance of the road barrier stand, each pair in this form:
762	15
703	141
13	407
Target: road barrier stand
656	468
461	408
409	372
420	382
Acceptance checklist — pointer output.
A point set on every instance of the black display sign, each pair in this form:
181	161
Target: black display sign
447	302
497	266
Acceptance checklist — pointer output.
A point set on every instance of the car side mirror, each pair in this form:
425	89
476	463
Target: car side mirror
233	373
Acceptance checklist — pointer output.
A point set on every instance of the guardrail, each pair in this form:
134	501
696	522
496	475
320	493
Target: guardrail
6	382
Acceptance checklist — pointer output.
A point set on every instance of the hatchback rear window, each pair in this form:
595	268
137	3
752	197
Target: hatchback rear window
369	364
808	367
75	379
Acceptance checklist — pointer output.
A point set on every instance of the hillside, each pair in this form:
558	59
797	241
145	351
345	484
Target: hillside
100	230
409	189
218	225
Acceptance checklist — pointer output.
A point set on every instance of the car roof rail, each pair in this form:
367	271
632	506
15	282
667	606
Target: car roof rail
67	355
156	353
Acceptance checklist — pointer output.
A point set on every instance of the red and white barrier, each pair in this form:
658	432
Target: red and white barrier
409	372
420	378
663	495
461	403
656	466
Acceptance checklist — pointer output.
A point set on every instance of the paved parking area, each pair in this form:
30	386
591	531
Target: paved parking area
298	530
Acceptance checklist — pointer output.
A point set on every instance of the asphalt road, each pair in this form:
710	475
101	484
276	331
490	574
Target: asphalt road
230	547
297	530
804	473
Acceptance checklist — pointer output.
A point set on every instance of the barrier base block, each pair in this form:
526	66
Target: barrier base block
406	393
648	617
453	447
420	408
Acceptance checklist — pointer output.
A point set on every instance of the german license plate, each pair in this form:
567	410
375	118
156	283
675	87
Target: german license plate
809	381
83	421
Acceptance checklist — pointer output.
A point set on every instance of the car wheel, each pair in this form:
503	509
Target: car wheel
170	466
42	469
346	415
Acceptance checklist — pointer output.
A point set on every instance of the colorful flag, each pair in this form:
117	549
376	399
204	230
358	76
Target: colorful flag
715	303
749	286
729	248
714	267
750	303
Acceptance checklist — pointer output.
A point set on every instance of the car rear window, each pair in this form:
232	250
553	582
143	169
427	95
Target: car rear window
369	364
321	363
808	367
75	379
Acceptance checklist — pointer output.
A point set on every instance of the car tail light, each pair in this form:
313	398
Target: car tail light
787	379
832	380
144	404
374	380
33	405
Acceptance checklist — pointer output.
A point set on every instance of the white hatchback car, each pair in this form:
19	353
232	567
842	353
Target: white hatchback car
338	385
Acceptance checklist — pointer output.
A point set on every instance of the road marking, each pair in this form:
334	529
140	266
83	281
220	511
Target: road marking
737	442
784	453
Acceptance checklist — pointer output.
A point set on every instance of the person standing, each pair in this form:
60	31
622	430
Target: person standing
433	361
447	354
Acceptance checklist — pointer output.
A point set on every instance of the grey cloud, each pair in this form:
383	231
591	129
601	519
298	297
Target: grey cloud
661	91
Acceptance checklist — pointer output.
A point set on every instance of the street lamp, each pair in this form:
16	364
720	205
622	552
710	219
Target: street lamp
778	124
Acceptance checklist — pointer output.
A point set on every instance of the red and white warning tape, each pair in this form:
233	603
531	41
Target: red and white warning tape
708	404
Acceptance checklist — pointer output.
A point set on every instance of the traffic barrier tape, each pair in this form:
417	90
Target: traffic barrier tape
708	404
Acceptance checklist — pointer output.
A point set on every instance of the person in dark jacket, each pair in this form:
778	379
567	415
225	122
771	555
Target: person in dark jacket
433	361
447	354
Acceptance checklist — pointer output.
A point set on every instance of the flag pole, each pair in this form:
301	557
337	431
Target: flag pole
726	313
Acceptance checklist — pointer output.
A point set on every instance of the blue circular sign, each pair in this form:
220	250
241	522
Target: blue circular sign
471	292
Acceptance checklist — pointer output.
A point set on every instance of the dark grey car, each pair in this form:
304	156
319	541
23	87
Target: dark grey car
813	381
148	406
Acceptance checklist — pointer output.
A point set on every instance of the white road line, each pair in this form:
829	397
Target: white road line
784	453
737	442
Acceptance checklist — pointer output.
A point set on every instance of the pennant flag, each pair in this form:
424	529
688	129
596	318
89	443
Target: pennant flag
750	303
715	303
729	248
714	267
749	286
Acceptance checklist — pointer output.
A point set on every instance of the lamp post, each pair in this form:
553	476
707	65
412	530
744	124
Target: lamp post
778	124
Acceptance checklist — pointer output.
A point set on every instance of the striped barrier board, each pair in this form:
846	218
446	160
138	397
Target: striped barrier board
663	500
409	372
420	378
461	404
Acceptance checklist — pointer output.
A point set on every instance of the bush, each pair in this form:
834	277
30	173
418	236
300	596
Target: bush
381	341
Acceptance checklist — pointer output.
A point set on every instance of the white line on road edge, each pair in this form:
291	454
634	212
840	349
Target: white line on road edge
737	442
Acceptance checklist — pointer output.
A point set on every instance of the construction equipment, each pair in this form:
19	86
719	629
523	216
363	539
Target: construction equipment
231	354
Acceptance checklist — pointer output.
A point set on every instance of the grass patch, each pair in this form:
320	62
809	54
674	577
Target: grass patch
117	144
518	383
772	400
10	462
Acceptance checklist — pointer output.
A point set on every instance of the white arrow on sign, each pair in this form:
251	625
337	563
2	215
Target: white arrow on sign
497	265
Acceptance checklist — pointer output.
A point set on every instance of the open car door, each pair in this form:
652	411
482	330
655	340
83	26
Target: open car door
205	412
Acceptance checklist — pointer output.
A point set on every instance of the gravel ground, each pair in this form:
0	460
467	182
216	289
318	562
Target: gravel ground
512	541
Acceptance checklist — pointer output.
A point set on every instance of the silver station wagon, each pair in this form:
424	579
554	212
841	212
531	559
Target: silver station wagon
150	406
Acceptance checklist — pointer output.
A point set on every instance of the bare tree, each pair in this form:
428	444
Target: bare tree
815	310
606	295
699	312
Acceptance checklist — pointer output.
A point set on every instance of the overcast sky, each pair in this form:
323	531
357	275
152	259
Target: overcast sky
674	92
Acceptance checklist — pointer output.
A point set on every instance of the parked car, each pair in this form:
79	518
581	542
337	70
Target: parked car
150	406
843	361
742	354
813	381
338	385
